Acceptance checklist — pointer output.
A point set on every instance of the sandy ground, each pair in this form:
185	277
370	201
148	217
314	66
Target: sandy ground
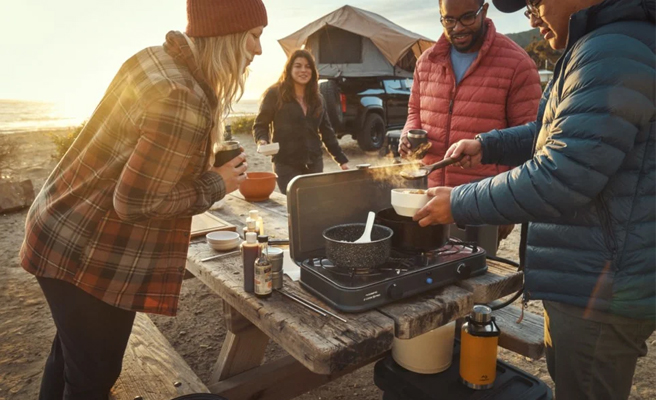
26	328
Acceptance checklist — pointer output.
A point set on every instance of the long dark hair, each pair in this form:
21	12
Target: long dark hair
286	83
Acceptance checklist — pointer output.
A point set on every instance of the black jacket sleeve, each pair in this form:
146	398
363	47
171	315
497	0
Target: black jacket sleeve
329	139
268	108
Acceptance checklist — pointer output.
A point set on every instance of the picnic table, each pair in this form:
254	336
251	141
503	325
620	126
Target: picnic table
320	349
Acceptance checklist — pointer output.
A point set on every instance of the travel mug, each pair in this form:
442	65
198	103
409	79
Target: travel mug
417	137
227	151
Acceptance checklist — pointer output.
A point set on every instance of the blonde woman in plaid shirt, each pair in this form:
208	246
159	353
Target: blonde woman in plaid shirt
108	234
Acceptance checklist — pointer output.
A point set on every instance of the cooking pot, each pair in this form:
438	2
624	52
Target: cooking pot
408	235
342	252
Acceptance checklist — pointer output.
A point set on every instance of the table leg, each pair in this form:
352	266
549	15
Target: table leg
243	348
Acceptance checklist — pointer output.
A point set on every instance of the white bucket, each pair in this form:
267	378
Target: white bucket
429	353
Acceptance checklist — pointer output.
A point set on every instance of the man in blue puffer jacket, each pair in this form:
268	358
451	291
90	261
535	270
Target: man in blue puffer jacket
585	180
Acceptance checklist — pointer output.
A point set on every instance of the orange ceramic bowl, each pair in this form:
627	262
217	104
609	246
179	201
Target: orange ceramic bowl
258	186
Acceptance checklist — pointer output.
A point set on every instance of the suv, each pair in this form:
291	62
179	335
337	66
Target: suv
367	108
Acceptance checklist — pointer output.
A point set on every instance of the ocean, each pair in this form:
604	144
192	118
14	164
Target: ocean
27	116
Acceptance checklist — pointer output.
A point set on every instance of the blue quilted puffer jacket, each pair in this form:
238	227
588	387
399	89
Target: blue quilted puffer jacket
586	170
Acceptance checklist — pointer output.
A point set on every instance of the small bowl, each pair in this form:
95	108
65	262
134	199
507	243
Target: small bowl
406	202
269	149
258	186
223	240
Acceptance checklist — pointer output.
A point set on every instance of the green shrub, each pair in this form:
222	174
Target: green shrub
243	125
64	142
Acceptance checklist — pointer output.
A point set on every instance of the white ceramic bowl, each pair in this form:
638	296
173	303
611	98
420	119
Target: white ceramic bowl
268	149
407	203
223	240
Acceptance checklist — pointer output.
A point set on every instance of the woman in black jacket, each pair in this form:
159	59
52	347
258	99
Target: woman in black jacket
295	110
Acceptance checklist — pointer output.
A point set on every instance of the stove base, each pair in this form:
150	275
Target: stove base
404	285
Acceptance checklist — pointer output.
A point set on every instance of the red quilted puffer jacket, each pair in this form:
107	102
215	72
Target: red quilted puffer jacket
500	89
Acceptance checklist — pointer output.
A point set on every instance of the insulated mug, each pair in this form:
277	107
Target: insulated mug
417	137
227	152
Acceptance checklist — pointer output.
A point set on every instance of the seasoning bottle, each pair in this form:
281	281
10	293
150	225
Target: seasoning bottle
251	226
478	349
263	279
250	250
255	216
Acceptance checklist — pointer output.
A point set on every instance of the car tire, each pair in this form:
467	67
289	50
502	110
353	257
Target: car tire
372	136
330	92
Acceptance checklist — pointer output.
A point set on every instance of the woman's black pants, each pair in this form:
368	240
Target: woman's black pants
87	352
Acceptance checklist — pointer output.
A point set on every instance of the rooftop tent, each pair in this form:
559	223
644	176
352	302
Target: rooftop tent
351	42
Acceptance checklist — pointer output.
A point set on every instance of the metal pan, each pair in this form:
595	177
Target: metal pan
343	253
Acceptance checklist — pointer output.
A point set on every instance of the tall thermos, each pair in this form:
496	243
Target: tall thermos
478	349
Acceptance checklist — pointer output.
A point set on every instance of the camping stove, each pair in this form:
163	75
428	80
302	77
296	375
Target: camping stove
319	201
403	275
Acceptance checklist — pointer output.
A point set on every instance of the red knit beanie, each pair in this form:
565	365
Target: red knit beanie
223	17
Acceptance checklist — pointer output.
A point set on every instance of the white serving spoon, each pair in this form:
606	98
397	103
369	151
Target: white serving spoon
366	236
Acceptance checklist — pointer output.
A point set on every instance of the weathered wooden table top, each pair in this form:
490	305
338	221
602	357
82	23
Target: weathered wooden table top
325	344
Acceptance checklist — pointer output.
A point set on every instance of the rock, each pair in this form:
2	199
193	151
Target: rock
15	196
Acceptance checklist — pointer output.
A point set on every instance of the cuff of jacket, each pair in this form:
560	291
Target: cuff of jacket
491	147
463	205
473	204
212	189
341	159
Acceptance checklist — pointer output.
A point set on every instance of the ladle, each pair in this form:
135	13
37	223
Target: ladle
424	170
366	236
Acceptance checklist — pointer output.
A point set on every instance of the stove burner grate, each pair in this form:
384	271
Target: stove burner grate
328	266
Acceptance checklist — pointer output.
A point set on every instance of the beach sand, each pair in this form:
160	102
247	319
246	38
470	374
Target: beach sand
26	328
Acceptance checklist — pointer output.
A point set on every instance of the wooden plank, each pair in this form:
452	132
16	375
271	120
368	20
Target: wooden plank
152	369
272	381
525	338
425	312
277	203
499	281
322	344
243	348
204	223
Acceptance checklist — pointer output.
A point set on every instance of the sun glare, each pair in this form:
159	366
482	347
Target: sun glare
74	111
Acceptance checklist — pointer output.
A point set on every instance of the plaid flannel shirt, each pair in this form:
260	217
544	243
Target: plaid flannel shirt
114	216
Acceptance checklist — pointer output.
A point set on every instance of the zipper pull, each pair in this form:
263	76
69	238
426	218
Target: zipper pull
451	107
524	307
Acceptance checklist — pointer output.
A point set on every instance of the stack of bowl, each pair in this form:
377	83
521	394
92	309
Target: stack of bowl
223	240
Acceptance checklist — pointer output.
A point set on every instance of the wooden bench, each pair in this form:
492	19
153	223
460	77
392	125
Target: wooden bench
525	338
152	369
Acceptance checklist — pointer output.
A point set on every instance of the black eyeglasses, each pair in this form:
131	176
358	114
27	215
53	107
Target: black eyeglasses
465	19
532	9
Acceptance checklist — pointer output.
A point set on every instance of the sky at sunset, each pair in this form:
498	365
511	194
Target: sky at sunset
67	51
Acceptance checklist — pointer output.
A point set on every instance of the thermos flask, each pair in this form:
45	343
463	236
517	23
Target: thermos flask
478	349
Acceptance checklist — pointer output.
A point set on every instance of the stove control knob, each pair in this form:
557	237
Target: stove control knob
464	270
394	291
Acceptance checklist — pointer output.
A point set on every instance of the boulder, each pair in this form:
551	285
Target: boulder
15	195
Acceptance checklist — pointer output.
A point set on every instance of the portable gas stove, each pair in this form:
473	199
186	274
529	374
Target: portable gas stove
403	275
319	201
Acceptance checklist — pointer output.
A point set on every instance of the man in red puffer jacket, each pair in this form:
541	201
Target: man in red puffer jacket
473	80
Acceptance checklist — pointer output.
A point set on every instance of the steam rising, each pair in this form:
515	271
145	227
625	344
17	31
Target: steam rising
389	169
